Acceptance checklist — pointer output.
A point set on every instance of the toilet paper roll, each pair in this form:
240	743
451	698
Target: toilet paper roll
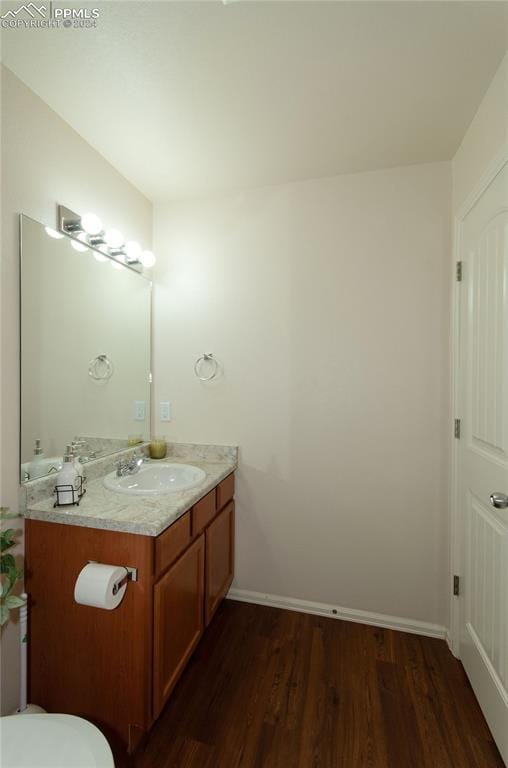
94	586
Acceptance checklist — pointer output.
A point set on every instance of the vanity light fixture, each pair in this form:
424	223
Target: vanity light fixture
147	259
113	238
53	233
91	224
132	250
79	243
87	232
101	254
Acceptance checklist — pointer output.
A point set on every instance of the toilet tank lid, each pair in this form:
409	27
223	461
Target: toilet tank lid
52	741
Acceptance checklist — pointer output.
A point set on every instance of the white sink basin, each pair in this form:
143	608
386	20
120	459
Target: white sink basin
156	480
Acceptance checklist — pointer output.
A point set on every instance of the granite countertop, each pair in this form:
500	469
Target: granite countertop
148	516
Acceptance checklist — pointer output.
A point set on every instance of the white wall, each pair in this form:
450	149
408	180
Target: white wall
43	162
484	139
327	302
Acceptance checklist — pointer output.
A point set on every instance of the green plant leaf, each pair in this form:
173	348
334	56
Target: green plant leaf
7	586
12	601
4	614
12	575
9	574
7	539
6	563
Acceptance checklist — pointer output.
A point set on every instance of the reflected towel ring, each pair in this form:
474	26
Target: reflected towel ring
96	364
206	358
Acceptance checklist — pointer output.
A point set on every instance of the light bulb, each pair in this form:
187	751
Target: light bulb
91	224
79	246
147	259
113	238
132	250
54	233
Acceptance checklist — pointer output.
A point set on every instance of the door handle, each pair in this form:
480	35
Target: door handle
499	500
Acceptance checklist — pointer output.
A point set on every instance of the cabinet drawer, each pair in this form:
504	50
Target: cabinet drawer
225	490
203	512
172	542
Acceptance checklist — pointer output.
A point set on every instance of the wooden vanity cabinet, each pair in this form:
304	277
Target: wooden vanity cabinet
220	555
118	668
178	620
84	661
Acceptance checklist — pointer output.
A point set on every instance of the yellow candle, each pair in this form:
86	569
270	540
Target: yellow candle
158	448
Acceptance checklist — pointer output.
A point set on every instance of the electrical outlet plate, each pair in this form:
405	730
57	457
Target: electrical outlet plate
165	411
139	410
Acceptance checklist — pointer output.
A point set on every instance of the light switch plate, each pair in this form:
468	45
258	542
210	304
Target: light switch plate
139	410
165	411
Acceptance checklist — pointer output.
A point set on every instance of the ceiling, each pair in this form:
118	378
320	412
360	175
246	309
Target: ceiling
197	98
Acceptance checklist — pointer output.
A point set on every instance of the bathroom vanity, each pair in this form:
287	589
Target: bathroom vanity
118	667
86	381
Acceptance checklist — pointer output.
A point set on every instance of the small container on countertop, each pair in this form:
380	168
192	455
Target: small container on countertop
68	481
158	448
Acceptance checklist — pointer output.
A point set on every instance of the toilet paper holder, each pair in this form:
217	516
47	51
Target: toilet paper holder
131	574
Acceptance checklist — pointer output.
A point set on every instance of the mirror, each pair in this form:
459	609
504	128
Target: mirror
85	351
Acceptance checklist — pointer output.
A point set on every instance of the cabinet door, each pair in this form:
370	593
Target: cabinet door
178	619
220	555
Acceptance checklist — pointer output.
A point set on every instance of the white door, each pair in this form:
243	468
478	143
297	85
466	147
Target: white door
483	453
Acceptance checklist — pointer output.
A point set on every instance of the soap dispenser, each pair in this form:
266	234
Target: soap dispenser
78	465
68	477
34	468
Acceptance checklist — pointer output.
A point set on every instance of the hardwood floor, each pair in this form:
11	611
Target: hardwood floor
268	688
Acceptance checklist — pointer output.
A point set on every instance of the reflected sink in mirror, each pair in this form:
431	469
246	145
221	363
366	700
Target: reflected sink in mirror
156	480
35	469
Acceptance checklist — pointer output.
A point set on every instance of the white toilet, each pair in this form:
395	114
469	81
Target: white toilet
52	741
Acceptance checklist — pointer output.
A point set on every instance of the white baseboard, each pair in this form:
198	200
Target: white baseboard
337	612
450	643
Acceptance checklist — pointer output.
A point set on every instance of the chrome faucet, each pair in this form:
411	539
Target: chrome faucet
83	451
129	467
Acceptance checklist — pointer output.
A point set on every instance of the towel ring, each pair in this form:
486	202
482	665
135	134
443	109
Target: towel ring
96	364
206	358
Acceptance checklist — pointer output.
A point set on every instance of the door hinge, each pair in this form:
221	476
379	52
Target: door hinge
456	428
456	585
458	271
